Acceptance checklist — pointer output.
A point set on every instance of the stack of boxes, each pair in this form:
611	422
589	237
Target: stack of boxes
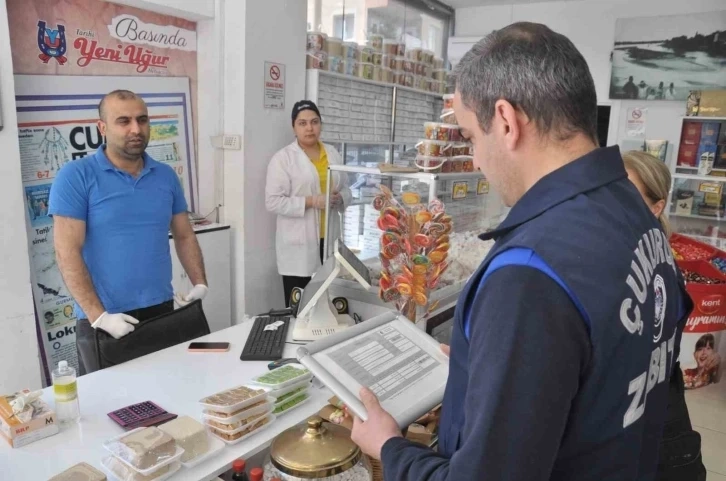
700	147
699	143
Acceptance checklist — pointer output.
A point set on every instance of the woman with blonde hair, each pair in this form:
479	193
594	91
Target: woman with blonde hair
680	447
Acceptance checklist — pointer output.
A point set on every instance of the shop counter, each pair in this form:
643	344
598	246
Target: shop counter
175	380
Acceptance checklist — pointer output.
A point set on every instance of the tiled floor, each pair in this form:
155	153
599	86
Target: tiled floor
707	407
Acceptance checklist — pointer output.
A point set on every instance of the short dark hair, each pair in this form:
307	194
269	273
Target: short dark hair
540	72
705	340
119	94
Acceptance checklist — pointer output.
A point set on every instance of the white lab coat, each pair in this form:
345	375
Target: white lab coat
291	177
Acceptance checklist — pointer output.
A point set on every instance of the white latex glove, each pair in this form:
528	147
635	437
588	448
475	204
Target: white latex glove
117	325
198	292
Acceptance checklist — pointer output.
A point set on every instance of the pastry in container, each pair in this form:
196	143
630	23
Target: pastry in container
390	47
189	434
427	57
350	50
316	60
335	64
460	148
249	417
430	164
377	58
433	148
438	62
121	472
334	46
232	400
376	42
316	41
388	75
80	472
389	62
365	71
446	167
442	131
144	448
467	163
421	83
401	49
377	73
398	63
457	164
232	437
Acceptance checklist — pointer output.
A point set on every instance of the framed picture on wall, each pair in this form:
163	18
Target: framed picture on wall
664	58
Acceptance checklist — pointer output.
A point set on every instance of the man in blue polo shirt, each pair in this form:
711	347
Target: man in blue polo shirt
565	338
112	212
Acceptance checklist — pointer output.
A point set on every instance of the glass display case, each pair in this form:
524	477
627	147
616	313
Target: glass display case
468	203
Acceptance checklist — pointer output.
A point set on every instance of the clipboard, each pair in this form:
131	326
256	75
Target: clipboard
402	364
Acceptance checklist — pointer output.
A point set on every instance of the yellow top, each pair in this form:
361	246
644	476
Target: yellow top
321	165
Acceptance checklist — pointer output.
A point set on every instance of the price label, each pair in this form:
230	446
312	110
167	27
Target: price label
43	174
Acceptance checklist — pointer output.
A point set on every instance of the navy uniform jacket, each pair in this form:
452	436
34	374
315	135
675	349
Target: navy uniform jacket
564	341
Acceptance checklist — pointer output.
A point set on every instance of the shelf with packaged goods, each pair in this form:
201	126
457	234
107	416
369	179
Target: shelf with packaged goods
471	216
704	119
688	167
696	216
337	75
700	178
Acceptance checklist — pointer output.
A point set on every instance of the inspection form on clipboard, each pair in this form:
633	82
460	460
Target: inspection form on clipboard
403	365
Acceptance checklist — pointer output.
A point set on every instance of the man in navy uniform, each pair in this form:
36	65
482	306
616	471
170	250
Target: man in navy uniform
565	338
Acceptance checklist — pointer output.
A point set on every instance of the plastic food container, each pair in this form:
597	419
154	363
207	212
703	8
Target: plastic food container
291	403
404	79
376	42
239	425
316	60
316	41
233	400
440	74
335	64
467	162
449	117
278	393
377	58
401	49
377	73
350	67
365	71
448	101
408	66
115	470
414	54
284	376
461	149
260	408
430	164
433	148
438	62
398	63
244	433
350	50
441	131
387	75
390	47
365	55
123	453
334	46
427	57
457	165
446	167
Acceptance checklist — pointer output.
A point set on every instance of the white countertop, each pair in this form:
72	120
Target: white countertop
175	380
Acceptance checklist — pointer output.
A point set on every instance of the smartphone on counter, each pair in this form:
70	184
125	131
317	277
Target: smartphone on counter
208	347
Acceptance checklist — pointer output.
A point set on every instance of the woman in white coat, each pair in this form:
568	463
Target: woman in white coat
295	192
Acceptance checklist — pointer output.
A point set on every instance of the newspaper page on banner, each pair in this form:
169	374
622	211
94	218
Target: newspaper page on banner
53	132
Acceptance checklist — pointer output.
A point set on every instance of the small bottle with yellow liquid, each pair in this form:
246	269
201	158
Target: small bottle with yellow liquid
65	389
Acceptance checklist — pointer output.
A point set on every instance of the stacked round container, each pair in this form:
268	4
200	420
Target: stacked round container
317	51
143	453
444	149
236	414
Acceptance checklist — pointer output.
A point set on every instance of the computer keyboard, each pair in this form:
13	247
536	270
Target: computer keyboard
264	345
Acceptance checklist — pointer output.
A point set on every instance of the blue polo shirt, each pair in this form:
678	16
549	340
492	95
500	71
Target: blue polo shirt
127	227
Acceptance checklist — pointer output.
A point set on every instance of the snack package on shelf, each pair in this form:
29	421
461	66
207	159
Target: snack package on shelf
703	344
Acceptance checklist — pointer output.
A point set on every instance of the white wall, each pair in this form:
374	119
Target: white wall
276	32
189	9
19	365
590	24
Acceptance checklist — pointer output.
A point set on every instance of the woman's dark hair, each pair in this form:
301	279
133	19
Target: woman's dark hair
705	340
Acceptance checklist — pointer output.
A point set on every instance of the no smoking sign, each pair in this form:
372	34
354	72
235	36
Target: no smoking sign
274	86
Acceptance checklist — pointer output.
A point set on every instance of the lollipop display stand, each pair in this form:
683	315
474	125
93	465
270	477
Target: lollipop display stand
395	212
